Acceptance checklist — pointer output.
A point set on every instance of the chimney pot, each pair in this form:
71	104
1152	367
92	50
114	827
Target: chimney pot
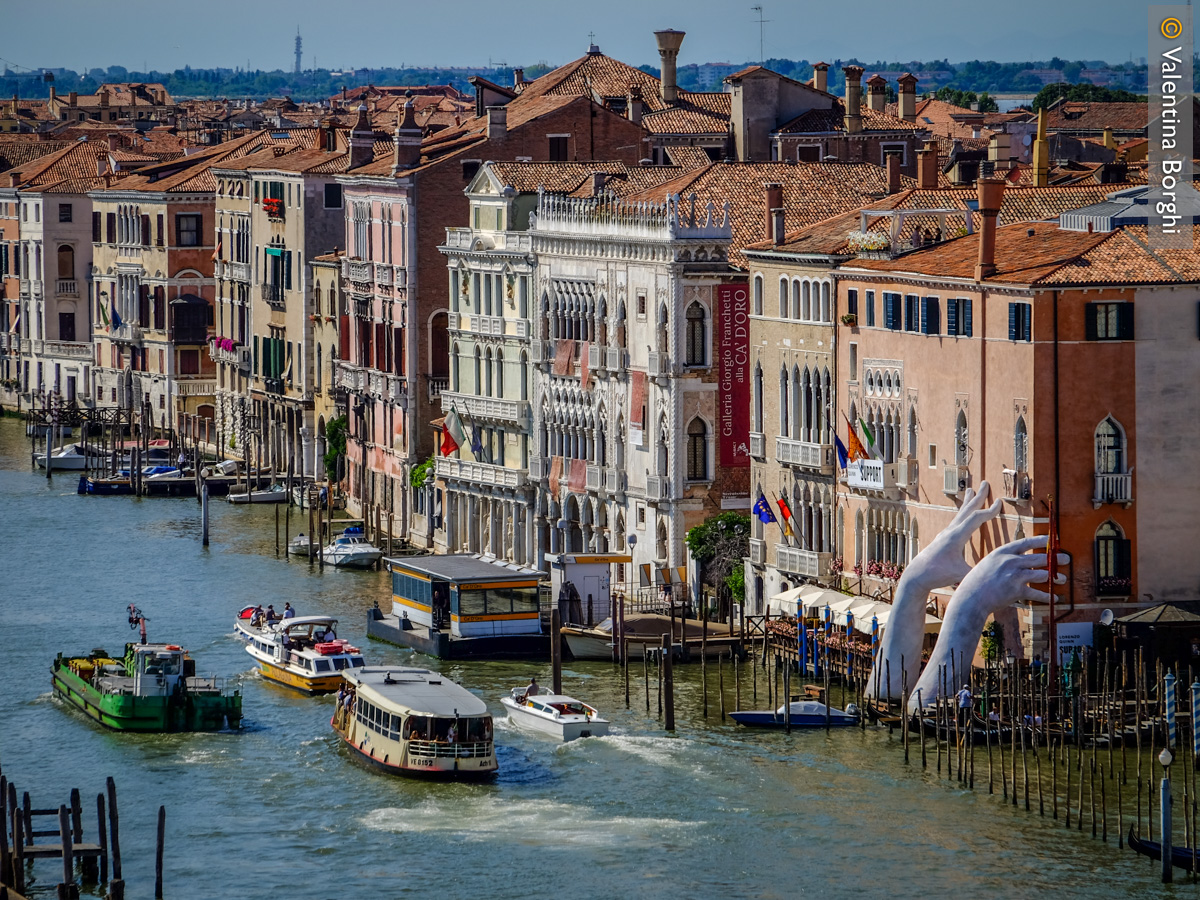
497	124
777	228
821	76
907	97
853	98
927	167
877	93
893	171
991	195
669	42
518	77
774	200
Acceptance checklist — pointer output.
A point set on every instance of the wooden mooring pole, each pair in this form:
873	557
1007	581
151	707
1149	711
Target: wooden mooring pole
668	682
556	649
158	852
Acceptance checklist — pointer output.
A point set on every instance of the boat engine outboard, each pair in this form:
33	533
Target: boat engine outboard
852	709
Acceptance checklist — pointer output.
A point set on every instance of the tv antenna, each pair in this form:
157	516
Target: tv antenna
761	21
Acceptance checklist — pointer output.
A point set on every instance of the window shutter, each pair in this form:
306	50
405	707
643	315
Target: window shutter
1027	321
1012	321
887	310
966	329
1125	319
935	315
111	223
1089	317
1124	568
925	315
254	356
145	231
852	302
287	269
144	306
97	237
158	234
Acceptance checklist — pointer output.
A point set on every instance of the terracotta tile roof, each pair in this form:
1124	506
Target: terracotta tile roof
81	185
689	157
1073	115
945	119
557	177
329	257
811	191
693	114
826	121
595	72
79	160
18	153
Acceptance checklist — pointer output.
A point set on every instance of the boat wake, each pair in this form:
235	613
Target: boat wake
531	822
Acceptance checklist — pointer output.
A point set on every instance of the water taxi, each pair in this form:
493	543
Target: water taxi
415	722
154	688
557	715
352	550
303	653
803	714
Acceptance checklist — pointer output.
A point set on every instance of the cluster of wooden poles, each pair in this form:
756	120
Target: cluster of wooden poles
22	841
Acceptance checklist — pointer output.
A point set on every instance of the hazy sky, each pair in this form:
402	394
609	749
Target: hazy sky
168	34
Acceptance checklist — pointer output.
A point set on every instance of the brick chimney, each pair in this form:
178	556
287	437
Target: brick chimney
633	104
406	144
114	141
893	171
991	195
1000	150
497	123
821	76
907	93
1041	153
73	98
518	77
669	42
53	92
774	201
104	98
927	167
599	179
853	98
362	140
877	93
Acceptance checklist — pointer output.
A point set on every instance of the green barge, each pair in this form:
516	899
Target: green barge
154	688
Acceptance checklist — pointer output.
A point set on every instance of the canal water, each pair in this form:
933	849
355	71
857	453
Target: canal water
279	810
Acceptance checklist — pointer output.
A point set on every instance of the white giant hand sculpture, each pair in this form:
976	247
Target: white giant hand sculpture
940	564
1001	578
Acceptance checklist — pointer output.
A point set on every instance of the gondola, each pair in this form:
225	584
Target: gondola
1181	857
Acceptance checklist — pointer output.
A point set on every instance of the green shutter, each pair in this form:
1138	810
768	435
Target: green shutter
254	355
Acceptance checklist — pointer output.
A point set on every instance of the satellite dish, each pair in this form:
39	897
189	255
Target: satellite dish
1106	617
1027	140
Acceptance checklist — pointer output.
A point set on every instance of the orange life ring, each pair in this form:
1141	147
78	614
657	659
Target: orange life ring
174	647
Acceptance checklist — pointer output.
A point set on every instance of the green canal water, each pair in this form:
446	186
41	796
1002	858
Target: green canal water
279	810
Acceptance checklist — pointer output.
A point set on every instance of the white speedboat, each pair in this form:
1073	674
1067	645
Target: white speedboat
303	652
803	714
557	715
276	493
351	550
70	457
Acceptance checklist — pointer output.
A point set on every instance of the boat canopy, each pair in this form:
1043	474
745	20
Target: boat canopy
419	691
302	621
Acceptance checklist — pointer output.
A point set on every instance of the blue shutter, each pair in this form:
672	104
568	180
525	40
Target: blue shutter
934	322
1027	321
287	269
925	315
1012	321
967	317
952	316
887	311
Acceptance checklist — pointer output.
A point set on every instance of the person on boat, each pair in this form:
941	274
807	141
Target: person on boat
994	715
532	690
288	612
256	617
339	711
272	616
451	734
964	703
329	635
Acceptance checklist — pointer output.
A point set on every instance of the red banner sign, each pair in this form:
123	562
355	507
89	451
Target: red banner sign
733	350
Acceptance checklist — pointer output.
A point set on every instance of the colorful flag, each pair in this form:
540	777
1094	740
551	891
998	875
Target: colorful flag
116	320
16	323
217	252
874	448
784	510
453	435
104	314
762	509
855	449
476	441
842	452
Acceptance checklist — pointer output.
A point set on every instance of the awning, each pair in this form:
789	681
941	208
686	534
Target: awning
814	604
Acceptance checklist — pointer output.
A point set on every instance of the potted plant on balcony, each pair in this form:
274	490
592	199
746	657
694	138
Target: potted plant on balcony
869	244
850	319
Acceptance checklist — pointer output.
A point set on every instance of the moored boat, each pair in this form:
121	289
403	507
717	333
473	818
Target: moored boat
70	457
644	629
276	493
1181	857
303	653
408	721
351	550
803	714
153	688
557	715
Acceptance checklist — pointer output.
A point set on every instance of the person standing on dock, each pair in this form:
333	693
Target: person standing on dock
964	704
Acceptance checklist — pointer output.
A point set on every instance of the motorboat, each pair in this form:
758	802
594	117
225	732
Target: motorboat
105	486
557	715
414	722
351	550
152	688
300	546
803	714
69	457
276	493
302	652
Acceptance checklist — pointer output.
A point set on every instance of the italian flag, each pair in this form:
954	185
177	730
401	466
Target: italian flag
871	445
453	435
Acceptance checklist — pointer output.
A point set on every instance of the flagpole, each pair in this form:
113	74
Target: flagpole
784	519
1052	571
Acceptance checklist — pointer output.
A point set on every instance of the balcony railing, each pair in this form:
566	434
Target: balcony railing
758	551
658	365
808	563
274	386
540	352
515	412
614	481
238	271
596	358
758	445
437	384
618	360
352	378
955	480
189	334
871	475
201	388
68	349
478	473
658	488
804	454
594	479
397	389
906	473
239	356
126	333
273	294
539	468
1113	487
67	286
1017	487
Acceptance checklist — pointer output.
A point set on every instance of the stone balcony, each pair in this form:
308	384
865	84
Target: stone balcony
758	445
447	467
239	356
658	365
496	409
804	454
1113	487
808	563
205	387
81	350
758	551
67	287
658	488
539	468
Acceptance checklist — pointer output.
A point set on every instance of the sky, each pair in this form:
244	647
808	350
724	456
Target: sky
169	34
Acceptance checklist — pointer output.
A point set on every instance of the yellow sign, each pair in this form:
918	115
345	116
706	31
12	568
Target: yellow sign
1171	28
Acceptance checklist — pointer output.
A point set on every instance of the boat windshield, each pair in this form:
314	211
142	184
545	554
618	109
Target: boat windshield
438	729
571	709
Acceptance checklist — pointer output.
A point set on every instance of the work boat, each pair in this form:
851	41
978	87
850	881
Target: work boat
416	722
154	688
351	550
302	652
557	715
804	714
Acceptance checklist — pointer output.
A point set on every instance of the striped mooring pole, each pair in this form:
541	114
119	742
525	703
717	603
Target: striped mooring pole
1170	698
1195	719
